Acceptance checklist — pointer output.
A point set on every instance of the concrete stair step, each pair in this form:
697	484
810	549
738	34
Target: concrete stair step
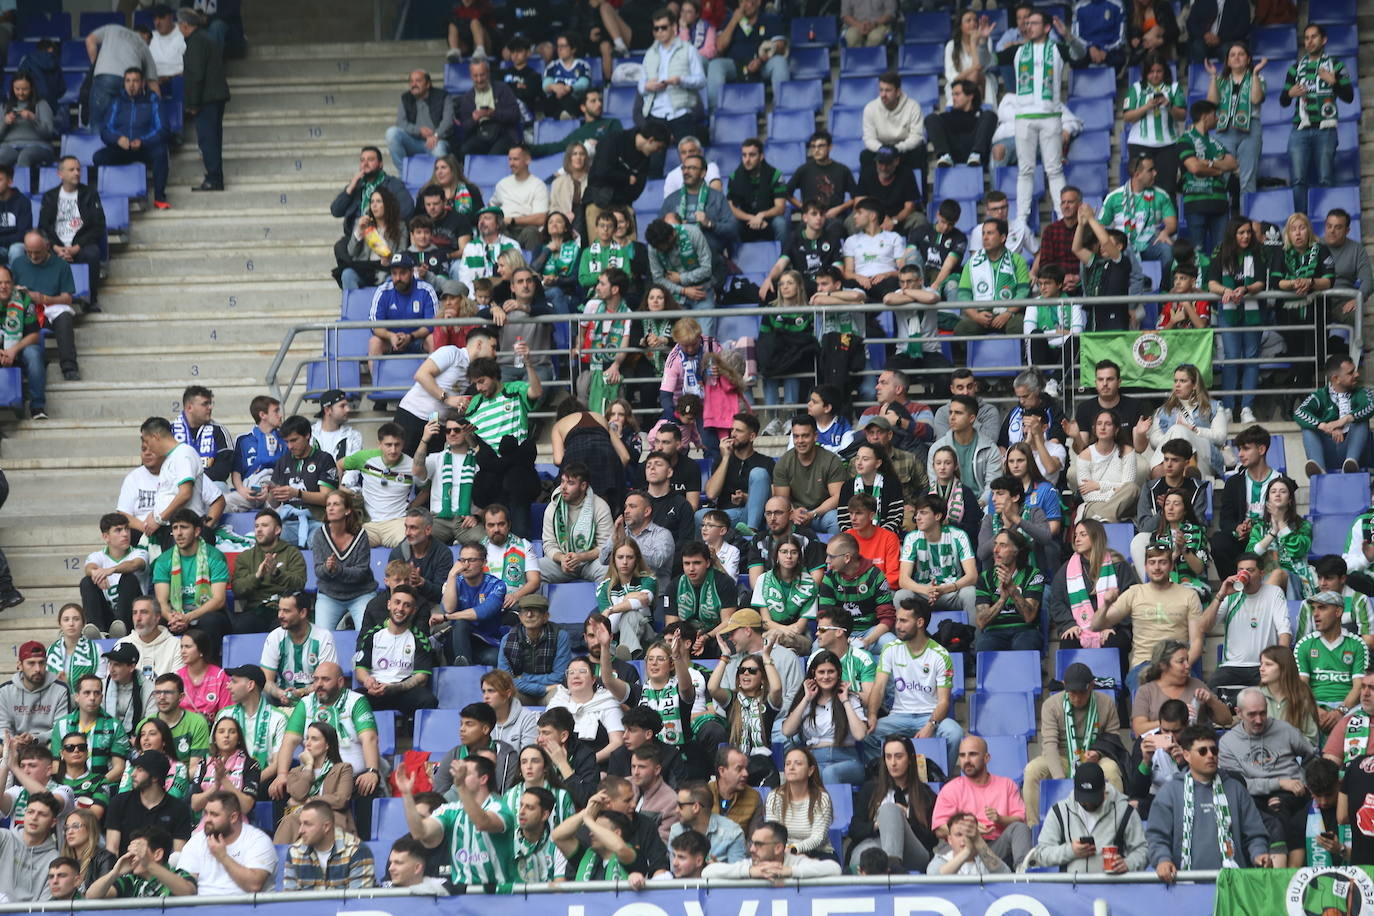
41	603
348	128
185	367
297	261
235	231
324	96
126	400
309	194
97	487
246	329
228	300
283	164
288	71
263	53
11	640
261	147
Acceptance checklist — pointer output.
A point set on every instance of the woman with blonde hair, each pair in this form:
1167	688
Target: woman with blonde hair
515	725
1190	413
1092	578
626	595
1307	267
568	190
685	371
81	839
462	196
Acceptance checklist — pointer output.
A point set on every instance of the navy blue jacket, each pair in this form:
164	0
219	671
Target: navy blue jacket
136	118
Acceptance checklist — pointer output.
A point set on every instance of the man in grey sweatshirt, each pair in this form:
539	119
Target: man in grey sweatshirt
1352	269
25	854
1265	752
35	698
1246	844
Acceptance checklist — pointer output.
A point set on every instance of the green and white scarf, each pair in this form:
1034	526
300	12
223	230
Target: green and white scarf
1026	69
686	251
751	713
1079	746
259	738
1234	108
1080	606
704	602
574	535
462	470
875	490
1356	736
953	495
1054	317
609	336
937	560
788	602
1222	810
367	187
563	262
317	783
586	869
13	327
682	199
991	280
82	660
202	575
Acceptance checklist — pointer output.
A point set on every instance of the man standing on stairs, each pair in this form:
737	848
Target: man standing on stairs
206	92
51	286
207	438
133	133
113	49
73	219
370	176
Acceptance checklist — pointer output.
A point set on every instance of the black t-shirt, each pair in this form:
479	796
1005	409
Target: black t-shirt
827	184
1109	278
1358	787
128	815
810	255
893	196
312	473
737	474
760	552
674	512
526	84
448	229
537	20
1127	410
686	475
936	247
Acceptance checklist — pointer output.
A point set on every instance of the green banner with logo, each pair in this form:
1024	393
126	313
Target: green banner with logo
1299	892
1147	358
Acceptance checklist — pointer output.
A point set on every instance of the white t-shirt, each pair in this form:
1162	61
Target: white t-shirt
104	561
168	51
673	180
69	220
874	254
520	198
1252	625
139	489
393	655
295	664
253	849
453	376
916	679
181	464
819	728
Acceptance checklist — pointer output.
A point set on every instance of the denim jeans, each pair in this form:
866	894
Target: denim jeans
329	611
839	765
560	300
154	154
1329	453
724	70
36	373
1245	146
829	523
1308	147
1241	345
909	725
104	90
751	513
402	144
1008	640
791	391
463	641
708	323
1206	230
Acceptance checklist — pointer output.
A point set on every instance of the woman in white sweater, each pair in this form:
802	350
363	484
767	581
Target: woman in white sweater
1106	472
802	805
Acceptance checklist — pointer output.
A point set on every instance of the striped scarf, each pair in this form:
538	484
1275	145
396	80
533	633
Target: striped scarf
1222	811
1080	605
202	573
574	535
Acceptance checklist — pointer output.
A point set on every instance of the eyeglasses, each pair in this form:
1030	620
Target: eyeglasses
450	430
685	804
74	748
165	693
827	629
1206	750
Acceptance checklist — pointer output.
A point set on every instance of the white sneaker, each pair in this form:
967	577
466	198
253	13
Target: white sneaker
118	630
479	53
620	48
975	159
774	428
1247	415
944	160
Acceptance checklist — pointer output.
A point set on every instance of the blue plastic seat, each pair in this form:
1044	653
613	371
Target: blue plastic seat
1273	206
756	257
571	602
552	130
1053	791
20	49
82	146
55	24
1294	610
243	649
1089	177
1277	456
821	31
931	27
1330	533
322	375
845	122
1331	12
741	97
89	21
1096	114
1007	756
1009	672
1321	200
961	181
1338	494
939	617
1273	41
11	387
863	61
733	327
733	128
786	155
620	102
1091	83
123	180
1094	146
848	151
1104	663
1119	536
457	686
920	57
1002	714
924	88
419	169
1274	138
386	730
357	304
995	358
436	730
393	379
1343	43
487	170
1004	179
933	749
842	812
801	95
545	167
791	125
388	818
809	62
854	92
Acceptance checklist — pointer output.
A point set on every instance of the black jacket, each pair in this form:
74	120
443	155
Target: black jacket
1235	20
92	231
203	71
674	764
616	162
862	826
586	776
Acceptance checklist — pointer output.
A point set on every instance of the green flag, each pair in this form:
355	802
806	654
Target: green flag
1148	358
1315	891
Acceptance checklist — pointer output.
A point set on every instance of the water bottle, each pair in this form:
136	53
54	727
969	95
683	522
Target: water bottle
519	363
811	33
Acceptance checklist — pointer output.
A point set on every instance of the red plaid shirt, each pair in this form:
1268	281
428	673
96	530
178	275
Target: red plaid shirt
1056	247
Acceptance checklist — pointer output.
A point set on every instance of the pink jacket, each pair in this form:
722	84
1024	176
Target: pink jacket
721	403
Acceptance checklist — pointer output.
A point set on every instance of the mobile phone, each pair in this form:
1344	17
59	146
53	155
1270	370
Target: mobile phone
1087	841
1329	834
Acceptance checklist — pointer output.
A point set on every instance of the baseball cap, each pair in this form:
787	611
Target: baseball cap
875	419
330	398
252	672
1089	784
744	617
32	649
1078	676
124	653
887	154
401	259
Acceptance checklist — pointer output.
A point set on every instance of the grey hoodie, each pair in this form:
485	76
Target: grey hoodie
987	461
24	868
1068	821
1164	832
1263	759
23	709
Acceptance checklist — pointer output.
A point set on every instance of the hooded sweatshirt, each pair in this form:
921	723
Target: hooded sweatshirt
1263	759
1115	823
902	127
24	868
161	656
24	709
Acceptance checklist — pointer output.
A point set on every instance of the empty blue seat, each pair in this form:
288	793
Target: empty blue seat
1096	114
1105	664
1009	672
854	91
436	730
19	50
962	181
920	57
1091	83
1330	533
386	729
357	304
741	97
620	102
545	167
1343	43
81	273
243	649
1007	756
487	170
1119	536
863	61
791	124
393	379
89	21
734	327
842	812
123	180
1275	138
56	24
848	152
1331	12
1053	791
803	95
1089	177
1273	205
11	387
1094	146
933	749
1321	200
815	30
457	78
995	358
322	375
786	155
924	88
931	27
753	257
1274	41
731	129
811	62
552	130
457	686
999	20
1339	494
1010	714
571	602
1277	456
846	122
82	146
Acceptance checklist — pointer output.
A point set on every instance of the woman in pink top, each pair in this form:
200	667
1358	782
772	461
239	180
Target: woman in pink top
207	685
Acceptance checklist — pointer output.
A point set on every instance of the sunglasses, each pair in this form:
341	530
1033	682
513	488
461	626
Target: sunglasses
1206	750
663	28
450	430
75	748
751	670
